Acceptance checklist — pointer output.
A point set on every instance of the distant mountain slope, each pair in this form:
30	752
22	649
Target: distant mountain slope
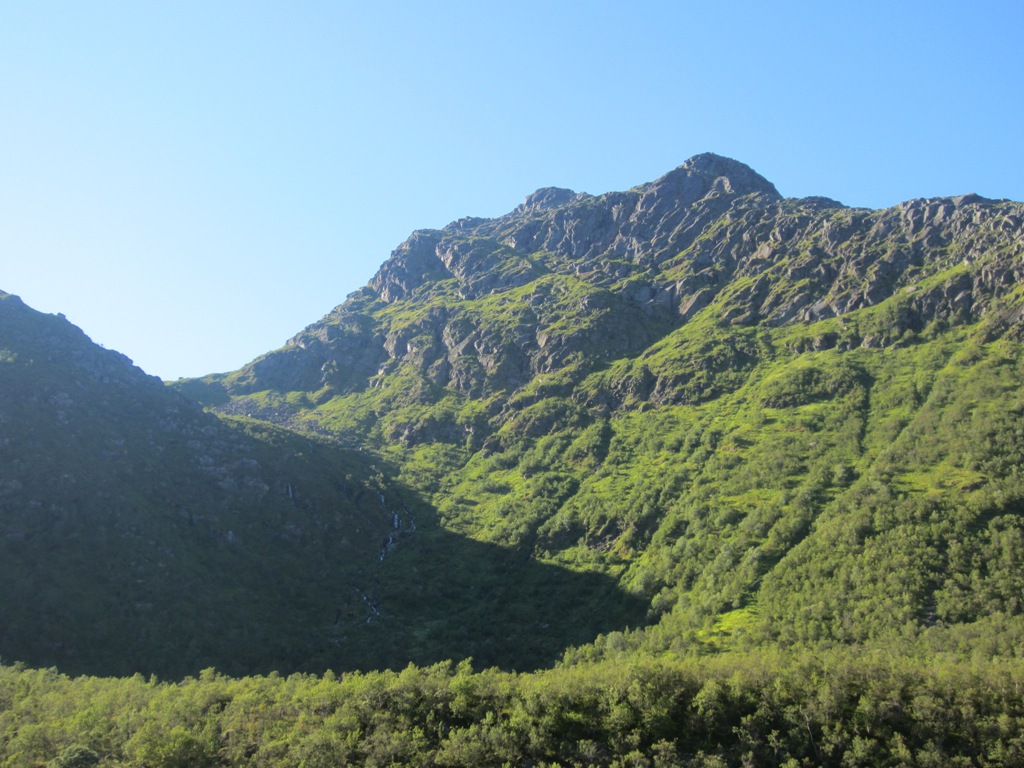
138	533
783	419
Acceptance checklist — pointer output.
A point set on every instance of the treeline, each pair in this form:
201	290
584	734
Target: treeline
841	708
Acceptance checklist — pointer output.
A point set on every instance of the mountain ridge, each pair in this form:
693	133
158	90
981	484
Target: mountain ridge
485	256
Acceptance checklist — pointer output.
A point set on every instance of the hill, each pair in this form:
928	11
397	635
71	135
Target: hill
141	534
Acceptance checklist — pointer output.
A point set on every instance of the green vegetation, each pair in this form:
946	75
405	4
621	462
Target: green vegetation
762	708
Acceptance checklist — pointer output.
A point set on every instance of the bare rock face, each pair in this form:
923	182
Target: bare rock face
639	225
571	281
545	198
412	264
635	226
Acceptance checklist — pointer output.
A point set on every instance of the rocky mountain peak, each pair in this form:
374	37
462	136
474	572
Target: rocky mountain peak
545	198
648	221
412	263
709	173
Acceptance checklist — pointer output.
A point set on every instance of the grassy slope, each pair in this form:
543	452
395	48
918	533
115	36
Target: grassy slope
740	473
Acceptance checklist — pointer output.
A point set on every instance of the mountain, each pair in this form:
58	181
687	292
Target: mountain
139	533
739	474
691	416
770	419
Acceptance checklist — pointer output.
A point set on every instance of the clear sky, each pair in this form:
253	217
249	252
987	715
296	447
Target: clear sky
194	182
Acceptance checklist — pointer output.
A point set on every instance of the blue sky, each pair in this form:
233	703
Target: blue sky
192	183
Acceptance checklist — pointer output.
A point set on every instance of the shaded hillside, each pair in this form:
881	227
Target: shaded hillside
141	534
138	533
786	420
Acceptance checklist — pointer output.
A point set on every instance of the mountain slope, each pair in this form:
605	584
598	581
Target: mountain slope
138	533
784	419
780	439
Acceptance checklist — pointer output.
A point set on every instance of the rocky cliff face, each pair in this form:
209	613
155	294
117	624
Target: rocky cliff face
574	281
581	232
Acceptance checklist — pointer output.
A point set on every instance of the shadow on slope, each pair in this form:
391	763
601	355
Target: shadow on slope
110	602
442	596
141	534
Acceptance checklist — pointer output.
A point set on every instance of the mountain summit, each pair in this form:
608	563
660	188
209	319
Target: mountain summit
603	277
706	173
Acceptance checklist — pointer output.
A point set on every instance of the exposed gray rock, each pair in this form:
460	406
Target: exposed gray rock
572	277
545	198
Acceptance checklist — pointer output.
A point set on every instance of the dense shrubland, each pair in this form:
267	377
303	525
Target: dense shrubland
842	708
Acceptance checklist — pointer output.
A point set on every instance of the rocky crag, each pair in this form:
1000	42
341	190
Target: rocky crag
485	307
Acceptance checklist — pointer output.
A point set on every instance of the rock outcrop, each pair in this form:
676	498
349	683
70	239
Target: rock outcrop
484	306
